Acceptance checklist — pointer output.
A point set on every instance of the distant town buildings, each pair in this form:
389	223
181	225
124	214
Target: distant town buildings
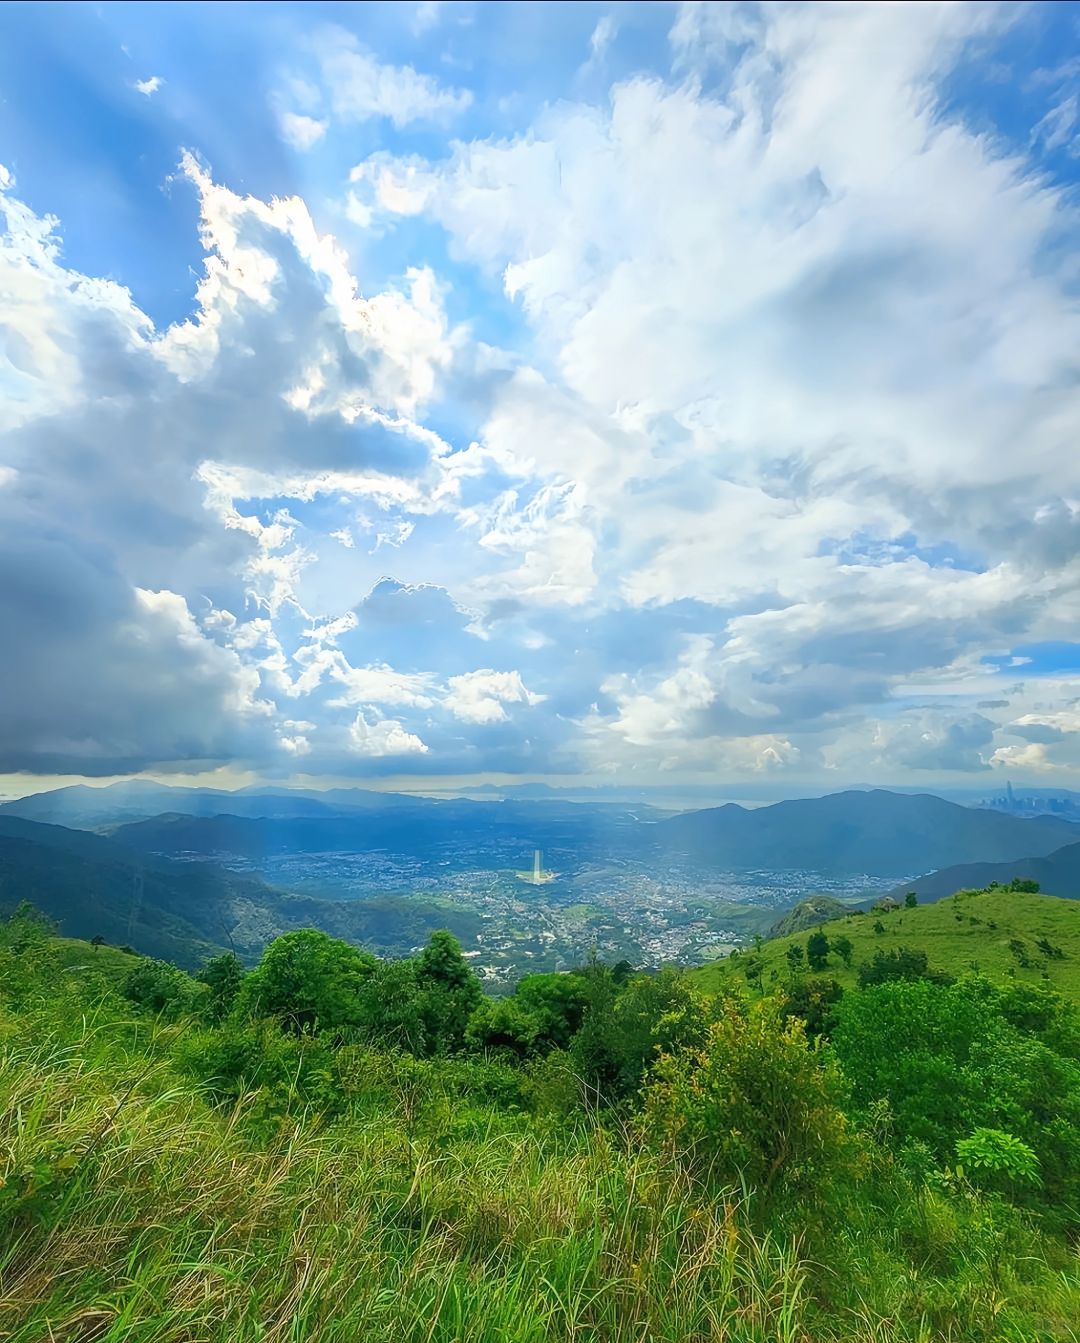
1065	805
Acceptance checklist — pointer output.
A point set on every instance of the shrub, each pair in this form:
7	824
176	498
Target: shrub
308	981
817	950
161	989
902	963
950	1059
223	976
285	1070
751	1104
813	1001
997	1158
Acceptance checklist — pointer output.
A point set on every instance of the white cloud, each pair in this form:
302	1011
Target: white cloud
603	35
783	450
360	87
150	86
481	696
383	737
426	15
787	365
300	131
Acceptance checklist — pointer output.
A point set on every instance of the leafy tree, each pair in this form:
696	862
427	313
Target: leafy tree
544	1013
223	976
503	1026
751	1104
911	899
623	1033
812	1001
843	948
621	972
160	988
1023	886
817	950
27	927
308	980
391	1009
449	991
557	1003
753	969
795	958
97	941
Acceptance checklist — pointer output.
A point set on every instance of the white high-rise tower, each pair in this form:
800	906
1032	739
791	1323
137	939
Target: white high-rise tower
537	877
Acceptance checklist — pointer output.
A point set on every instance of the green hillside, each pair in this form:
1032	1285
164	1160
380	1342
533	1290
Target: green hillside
329	1147
970	930
78	957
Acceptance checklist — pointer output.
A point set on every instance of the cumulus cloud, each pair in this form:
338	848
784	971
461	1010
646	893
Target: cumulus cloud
383	737
128	547
481	696
795	394
150	86
778	474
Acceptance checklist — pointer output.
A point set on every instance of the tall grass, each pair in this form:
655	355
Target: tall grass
133	1208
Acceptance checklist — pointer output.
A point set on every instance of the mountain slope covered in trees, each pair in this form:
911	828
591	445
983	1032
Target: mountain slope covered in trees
93	885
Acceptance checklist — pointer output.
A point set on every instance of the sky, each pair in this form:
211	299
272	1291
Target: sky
639	394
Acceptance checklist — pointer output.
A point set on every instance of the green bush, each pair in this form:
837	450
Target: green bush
752	1105
308	981
161	989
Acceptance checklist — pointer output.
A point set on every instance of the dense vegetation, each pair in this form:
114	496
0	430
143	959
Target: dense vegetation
1007	932
332	1147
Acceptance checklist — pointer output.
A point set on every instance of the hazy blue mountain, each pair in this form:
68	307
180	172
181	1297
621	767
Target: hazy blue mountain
1057	873
187	911
416	826
875	832
84	807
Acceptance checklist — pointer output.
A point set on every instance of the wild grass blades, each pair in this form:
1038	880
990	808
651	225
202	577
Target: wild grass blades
139	1204
174	1225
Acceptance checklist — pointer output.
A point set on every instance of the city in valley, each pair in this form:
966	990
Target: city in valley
621	908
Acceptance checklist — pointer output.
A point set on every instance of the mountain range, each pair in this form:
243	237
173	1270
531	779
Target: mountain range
184	912
876	833
101	872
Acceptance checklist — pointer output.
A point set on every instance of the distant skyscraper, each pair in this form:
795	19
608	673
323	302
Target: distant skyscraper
537	877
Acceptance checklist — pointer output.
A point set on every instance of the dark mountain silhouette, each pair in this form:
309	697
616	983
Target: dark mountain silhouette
1057	873
877	833
187	911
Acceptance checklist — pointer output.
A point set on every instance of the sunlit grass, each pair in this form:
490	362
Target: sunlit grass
135	1209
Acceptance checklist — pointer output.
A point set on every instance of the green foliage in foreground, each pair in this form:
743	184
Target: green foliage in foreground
608	1160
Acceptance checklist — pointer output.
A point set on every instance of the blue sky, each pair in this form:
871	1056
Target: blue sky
639	393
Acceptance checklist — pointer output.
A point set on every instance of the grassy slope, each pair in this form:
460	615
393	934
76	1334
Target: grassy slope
949	938
76	956
136	1212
